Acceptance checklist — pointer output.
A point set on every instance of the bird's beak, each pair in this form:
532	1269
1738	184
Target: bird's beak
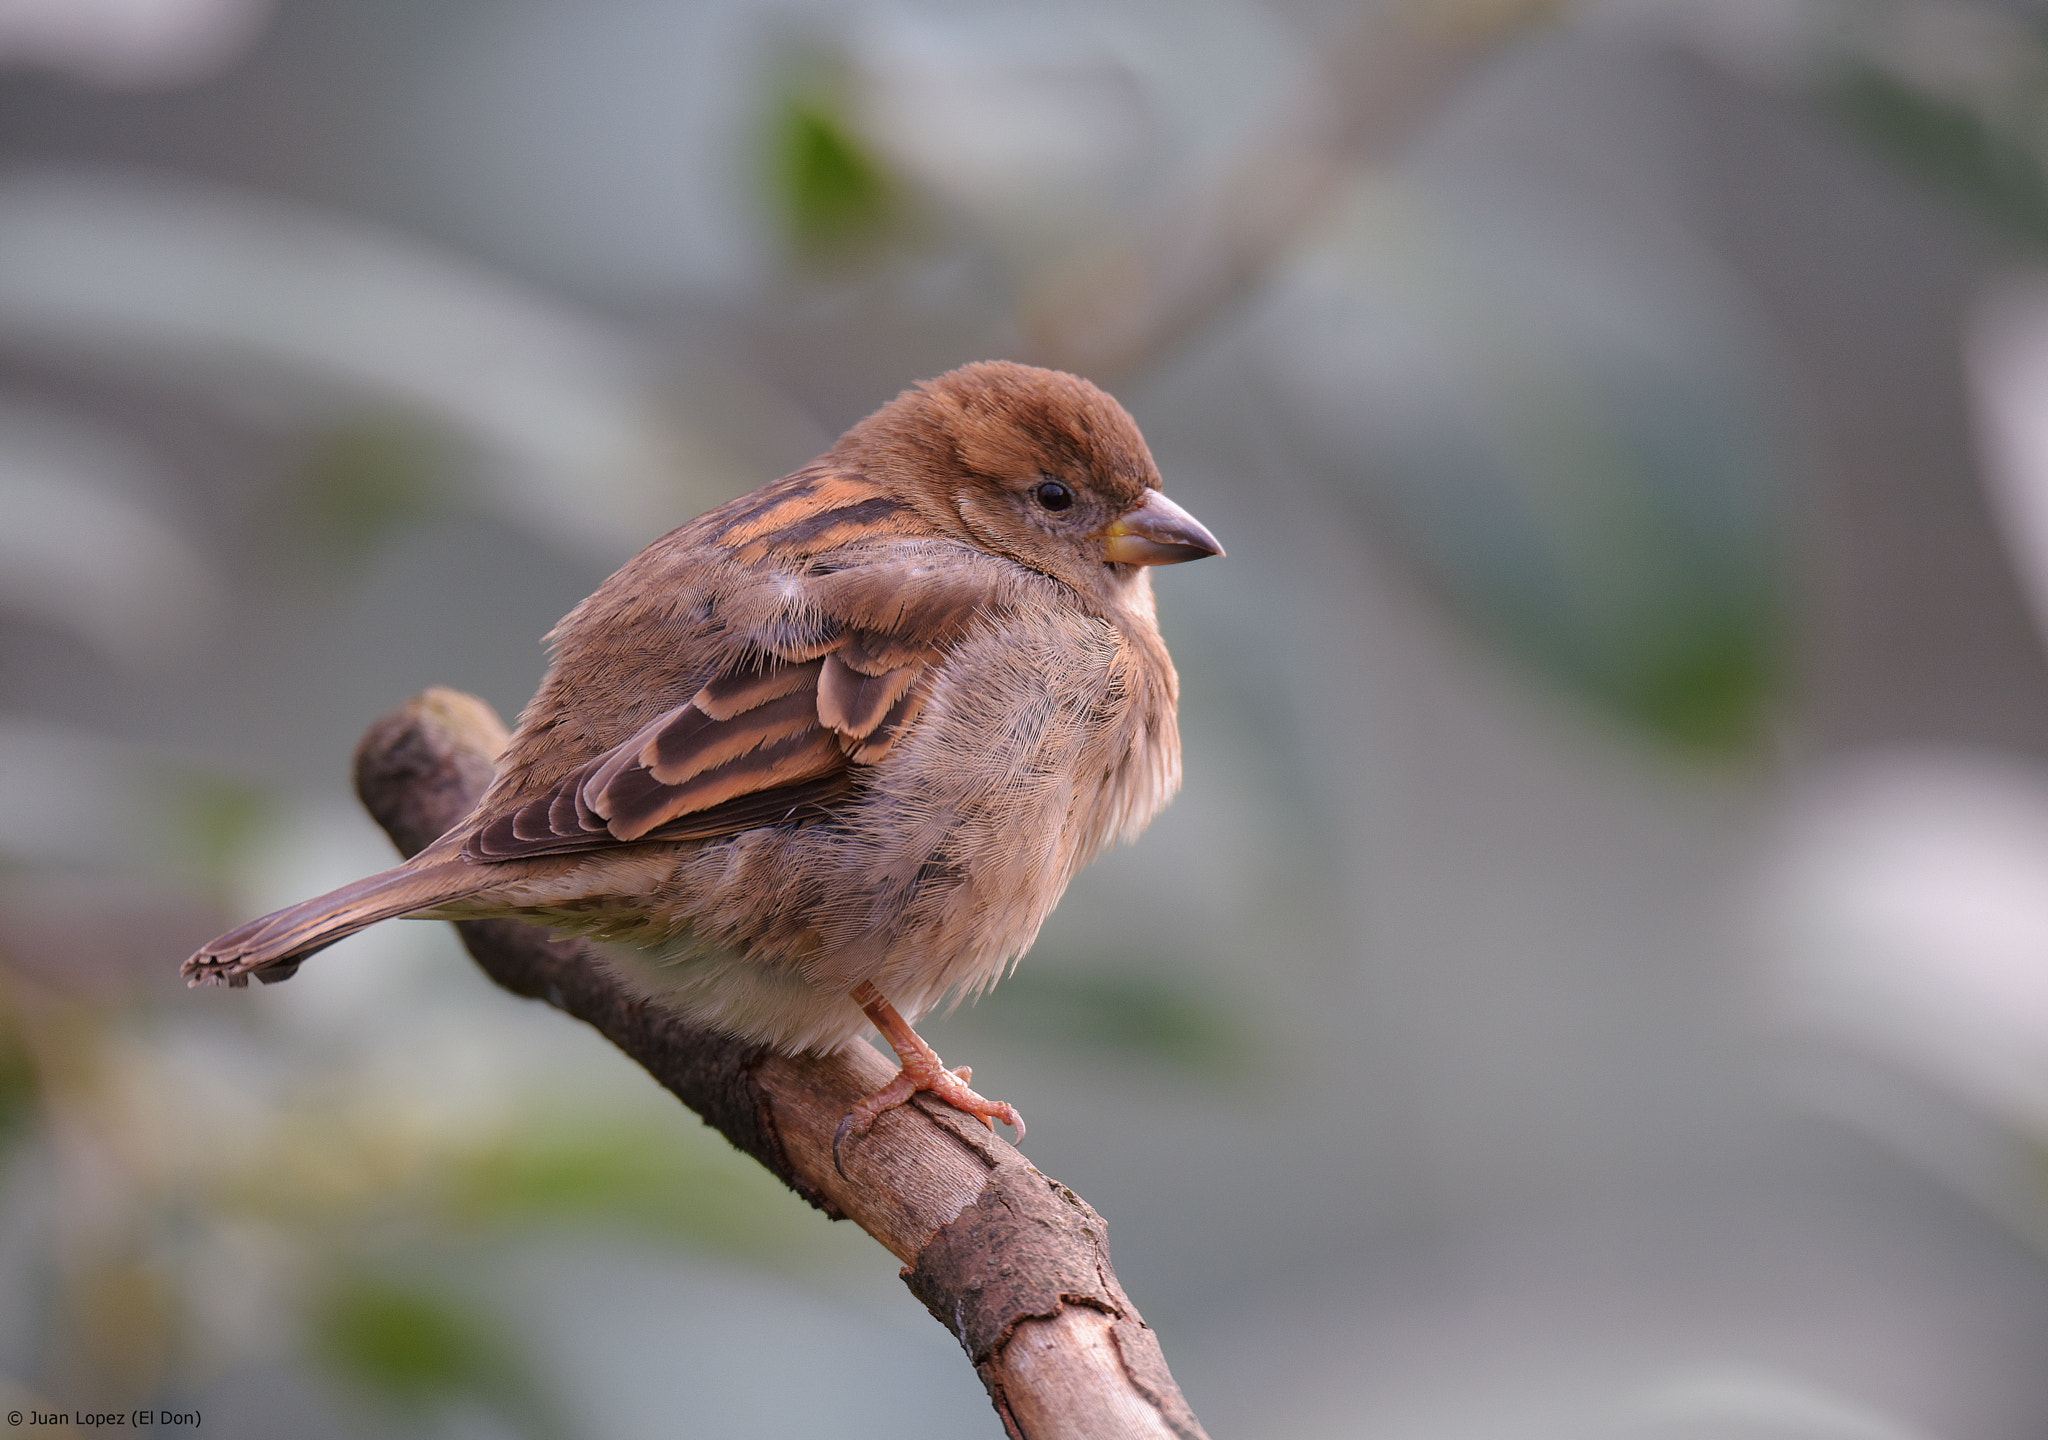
1157	532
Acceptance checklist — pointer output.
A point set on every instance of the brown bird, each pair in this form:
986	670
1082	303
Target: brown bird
833	751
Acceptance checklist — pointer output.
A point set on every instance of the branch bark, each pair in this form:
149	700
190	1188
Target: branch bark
1013	1263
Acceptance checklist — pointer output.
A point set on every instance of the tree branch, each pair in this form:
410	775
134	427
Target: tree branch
1014	1264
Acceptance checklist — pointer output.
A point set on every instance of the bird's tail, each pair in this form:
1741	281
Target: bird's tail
272	947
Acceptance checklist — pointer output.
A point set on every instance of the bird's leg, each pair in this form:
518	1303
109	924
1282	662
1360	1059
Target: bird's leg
922	1070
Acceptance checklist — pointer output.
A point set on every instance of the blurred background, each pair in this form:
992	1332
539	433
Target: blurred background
1595	981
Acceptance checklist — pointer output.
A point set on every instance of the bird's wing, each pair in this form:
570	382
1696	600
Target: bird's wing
806	699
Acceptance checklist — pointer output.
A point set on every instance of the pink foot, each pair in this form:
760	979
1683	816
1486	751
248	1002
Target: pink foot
922	1070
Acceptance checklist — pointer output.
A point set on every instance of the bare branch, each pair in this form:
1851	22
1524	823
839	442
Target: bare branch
1013	1263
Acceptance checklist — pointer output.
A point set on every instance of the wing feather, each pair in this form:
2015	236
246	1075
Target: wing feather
728	695
899	719
692	742
852	702
804	702
638	800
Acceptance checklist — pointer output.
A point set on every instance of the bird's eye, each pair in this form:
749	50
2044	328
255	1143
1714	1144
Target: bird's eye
1053	495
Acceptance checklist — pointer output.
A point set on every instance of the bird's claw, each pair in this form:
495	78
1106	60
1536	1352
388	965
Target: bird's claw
948	1085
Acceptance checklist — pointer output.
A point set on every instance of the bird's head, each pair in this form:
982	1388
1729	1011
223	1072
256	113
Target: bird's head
1036	465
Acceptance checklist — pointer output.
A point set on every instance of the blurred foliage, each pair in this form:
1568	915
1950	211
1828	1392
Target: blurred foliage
426	1349
836	196
112	1301
423	1351
646	1179
359	483
1621	582
123	1313
1955	91
213	821
1993	163
1594	498
18	1081
1130	1008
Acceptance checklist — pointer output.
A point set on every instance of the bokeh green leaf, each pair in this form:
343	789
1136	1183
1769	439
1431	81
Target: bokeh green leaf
359	482
1134	1009
835	195
1592	492
1992	161
667	1183
421	1350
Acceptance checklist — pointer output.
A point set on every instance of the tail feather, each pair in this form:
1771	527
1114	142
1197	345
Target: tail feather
272	947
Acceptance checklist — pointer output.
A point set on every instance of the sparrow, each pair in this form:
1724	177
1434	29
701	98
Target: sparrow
829	754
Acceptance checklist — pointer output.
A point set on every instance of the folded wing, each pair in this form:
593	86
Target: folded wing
815	697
